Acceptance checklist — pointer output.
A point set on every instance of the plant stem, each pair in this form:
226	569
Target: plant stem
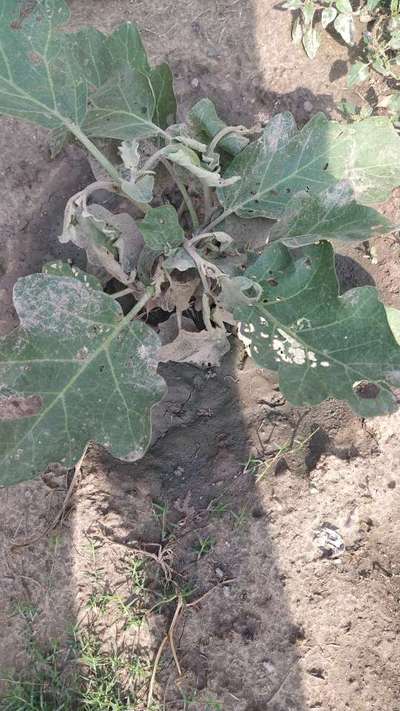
186	197
217	220
104	162
150	291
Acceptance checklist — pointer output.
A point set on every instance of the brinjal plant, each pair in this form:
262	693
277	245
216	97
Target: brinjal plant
379	44
195	232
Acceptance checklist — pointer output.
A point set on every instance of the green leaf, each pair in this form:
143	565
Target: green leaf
328	15
126	48
323	345
344	25
40	80
358	73
75	370
161	230
393	317
206	123
311	41
297	31
331	215
308	12
373	4
285	160
344	6
292	5
102	56
122	108
45	75
161	82
89	47
63	269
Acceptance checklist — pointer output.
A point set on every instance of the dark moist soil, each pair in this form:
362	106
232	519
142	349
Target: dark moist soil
285	626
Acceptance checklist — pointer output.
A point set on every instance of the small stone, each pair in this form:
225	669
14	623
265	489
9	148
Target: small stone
227	592
308	106
219	572
269	667
195	83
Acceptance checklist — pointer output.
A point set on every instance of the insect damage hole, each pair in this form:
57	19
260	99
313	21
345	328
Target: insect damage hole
366	390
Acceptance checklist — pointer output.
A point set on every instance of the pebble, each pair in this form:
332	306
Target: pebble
195	83
308	106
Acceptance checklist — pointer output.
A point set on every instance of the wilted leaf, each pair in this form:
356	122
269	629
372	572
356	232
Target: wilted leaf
311	41
186	158
75	370
161	230
140	189
206	122
328	15
181	261
103	236
285	160
199	348
344	25
332	214
323	345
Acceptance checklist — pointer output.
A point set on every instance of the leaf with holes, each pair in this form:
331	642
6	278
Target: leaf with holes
285	160
323	345
76	370
332	215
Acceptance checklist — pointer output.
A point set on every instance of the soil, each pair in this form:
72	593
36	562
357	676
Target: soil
238	488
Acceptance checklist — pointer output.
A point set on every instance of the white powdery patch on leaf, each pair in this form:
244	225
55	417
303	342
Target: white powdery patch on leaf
289	350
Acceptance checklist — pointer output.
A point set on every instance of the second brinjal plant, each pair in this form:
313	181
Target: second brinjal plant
225	231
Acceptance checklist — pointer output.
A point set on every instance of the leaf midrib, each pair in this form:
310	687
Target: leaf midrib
61	395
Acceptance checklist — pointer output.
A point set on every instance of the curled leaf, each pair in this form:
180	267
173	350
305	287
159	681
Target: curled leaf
188	159
207	124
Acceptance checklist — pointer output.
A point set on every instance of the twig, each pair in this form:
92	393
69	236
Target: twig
171	632
60	515
218	585
168	638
